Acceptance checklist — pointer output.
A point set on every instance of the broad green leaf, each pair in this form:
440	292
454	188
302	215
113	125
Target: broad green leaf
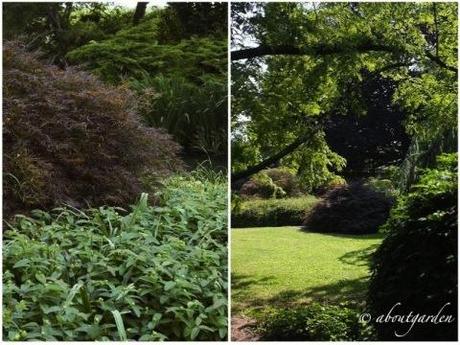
120	326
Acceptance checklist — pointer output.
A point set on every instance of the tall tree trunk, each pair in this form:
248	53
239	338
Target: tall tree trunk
139	13
58	20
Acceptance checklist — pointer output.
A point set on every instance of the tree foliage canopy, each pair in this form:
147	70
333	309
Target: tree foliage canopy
296	64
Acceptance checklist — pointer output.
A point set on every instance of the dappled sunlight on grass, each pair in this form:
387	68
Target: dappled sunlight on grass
286	265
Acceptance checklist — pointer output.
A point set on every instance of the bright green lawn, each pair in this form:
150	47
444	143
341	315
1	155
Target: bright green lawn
278	266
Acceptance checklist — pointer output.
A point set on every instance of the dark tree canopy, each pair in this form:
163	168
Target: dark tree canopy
186	19
372	139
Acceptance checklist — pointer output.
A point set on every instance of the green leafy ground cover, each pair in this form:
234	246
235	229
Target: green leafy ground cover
285	266
154	273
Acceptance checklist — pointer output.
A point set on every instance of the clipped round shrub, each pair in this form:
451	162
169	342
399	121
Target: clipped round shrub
156	273
314	322
70	138
416	265
350	209
336	181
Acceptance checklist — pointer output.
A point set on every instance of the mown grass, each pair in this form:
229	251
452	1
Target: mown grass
279	266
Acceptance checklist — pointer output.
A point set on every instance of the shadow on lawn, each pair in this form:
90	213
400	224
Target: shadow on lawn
241	281
306	230
359	257
240	291
350	291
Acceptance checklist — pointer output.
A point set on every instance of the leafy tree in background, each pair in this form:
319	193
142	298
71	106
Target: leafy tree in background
302	59
57	28
182	20
372	140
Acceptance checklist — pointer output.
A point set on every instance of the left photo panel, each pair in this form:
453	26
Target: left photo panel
115	171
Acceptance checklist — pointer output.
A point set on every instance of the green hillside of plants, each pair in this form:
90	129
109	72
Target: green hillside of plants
182	85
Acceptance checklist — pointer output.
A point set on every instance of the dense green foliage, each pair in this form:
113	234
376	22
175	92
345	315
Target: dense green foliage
356	208
269	183
181	84
312	64
182	20
70	138
195	115
56	28
416	264
272	212
134	53
314	322
155	273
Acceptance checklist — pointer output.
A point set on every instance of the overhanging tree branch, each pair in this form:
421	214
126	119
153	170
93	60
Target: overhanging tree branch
320	49
441	63
269	161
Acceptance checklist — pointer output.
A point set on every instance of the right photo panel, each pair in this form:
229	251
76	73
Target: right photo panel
344	171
